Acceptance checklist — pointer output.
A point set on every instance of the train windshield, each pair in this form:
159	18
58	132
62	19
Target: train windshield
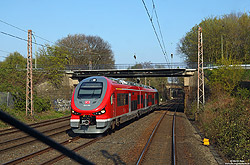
89	90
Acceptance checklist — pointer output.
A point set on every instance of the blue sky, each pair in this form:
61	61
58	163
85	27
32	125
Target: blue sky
122	23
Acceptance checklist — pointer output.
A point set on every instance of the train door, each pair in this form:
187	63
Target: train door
113	104
140	102
154	98
129	102
146	100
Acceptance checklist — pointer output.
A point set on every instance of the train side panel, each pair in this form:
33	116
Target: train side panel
99	104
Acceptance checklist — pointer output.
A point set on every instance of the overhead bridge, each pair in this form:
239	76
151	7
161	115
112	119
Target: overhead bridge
130	73
77	75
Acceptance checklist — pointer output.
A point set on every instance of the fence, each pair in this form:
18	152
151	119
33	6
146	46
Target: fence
6	99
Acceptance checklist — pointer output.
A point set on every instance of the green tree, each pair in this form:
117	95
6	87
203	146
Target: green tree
225	37
13	80
53	61
14	60
225	78
12	73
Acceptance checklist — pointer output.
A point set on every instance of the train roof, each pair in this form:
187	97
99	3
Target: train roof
120	81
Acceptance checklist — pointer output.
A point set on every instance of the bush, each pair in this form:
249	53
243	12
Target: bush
19	100
227	125
243	93
226	77
226	118
41	104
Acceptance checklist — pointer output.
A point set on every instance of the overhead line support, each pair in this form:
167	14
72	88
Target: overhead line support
200	89
29	86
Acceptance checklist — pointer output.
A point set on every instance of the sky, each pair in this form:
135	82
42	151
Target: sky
124	24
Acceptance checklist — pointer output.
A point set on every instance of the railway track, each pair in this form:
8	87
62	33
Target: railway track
47	155
37	153
10	146
57	158
162	140
5	132
13	141
15	138
26	140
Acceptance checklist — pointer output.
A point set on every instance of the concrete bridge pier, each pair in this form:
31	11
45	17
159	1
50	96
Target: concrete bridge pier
190	90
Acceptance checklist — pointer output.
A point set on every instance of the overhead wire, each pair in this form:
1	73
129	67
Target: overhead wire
84	51
78	49
150	18
13	36
13	26
157	36
159	26
4	52
24	30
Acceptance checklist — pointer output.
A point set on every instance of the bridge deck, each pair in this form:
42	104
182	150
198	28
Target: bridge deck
129	73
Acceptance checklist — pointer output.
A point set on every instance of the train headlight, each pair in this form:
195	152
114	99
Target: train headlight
74	112
100	112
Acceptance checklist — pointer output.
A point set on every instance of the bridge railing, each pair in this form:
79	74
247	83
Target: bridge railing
132	66
138	66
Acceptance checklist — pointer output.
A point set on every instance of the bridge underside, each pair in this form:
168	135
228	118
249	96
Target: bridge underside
130	73
78	75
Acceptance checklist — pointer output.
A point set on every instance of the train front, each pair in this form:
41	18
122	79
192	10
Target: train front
89	109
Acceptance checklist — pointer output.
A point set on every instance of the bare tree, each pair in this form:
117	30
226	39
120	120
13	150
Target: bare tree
88	51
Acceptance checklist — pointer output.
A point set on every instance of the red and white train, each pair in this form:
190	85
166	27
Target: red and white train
99	104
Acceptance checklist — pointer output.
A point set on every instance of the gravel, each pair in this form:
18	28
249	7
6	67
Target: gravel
125	145
122	147
190	149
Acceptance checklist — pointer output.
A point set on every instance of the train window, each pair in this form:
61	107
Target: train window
111	99
126	99
122	99
91	85
90	90
149	99
134	105
118	99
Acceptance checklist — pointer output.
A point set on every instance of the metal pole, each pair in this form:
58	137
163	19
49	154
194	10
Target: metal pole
200	89
29	86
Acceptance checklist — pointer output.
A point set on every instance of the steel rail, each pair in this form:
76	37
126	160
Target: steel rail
34	125
27	136
173	142
36	134
37	153
173	136
56	159
139	161
31	141
45	131
149	140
